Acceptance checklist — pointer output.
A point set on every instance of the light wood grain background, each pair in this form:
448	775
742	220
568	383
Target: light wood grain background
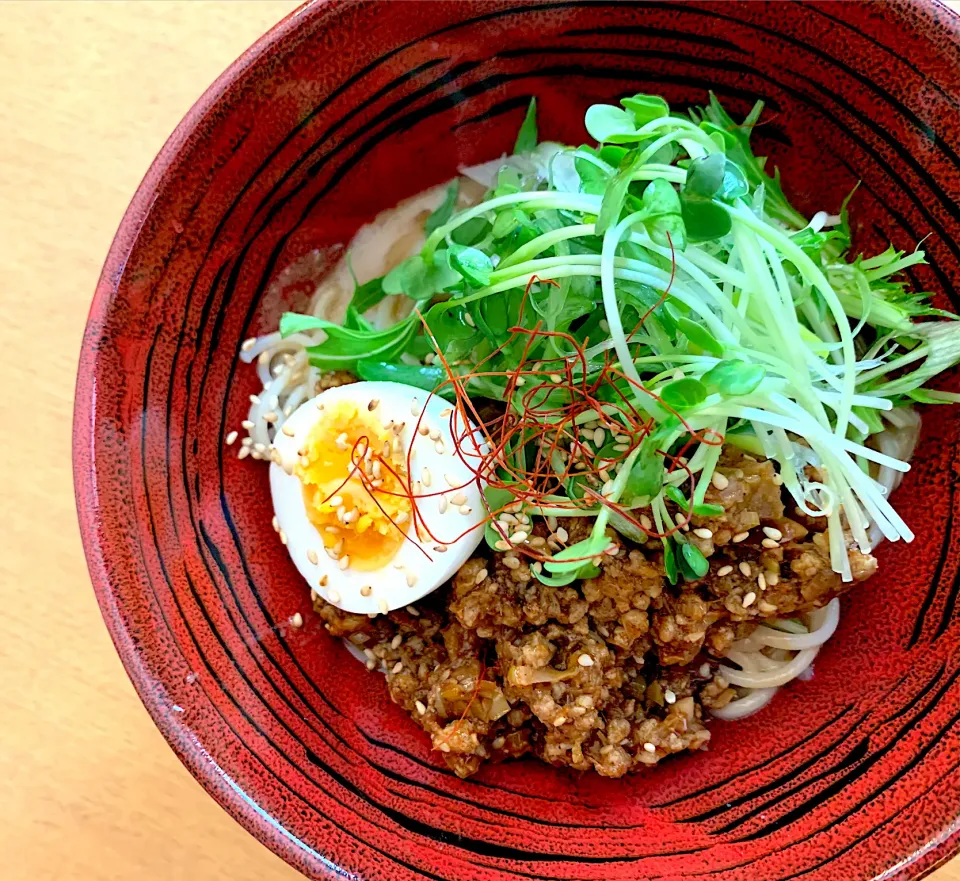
88	789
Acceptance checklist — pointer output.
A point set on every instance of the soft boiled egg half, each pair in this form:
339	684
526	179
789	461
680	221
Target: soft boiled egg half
376	493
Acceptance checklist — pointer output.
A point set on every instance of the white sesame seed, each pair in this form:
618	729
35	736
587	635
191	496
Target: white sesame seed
649	747
384	607
312	556
741	536
469	319
283	537
585	660
556	377
762	581
413	610
369	653
520	381
724	570
231	438
560	720
415	407
254	400
426	477
440	549
769	543
402	517
411	579
247	424
502	546
646	522
772	532
423	430
669	697
719	481
621	448
773	579
421	709
465	509
459	499
366	590
537	567
511	562
270	416
480	576
439	447
745	568
748	599
518	537
287	430
275	523
562	534
296	620
341	441
248	344
445	412
703	532
371	665
598	437
344	562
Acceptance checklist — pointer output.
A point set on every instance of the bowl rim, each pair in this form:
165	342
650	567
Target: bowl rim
180	736
942	845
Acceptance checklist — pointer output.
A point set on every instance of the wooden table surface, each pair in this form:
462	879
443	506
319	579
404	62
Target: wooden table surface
89	791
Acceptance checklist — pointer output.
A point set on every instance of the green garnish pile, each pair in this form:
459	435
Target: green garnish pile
665	270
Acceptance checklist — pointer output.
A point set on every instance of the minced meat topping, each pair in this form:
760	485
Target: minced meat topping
611	673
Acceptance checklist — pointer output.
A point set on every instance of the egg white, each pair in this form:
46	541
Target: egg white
430	567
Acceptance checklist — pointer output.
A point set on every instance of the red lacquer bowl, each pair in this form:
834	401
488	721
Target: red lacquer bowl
339	112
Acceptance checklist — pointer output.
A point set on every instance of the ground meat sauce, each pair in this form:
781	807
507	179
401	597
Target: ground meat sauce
615	672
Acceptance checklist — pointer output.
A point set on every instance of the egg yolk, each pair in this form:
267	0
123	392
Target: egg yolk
356	518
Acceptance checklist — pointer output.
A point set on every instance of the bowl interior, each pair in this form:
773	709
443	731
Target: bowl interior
340	112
